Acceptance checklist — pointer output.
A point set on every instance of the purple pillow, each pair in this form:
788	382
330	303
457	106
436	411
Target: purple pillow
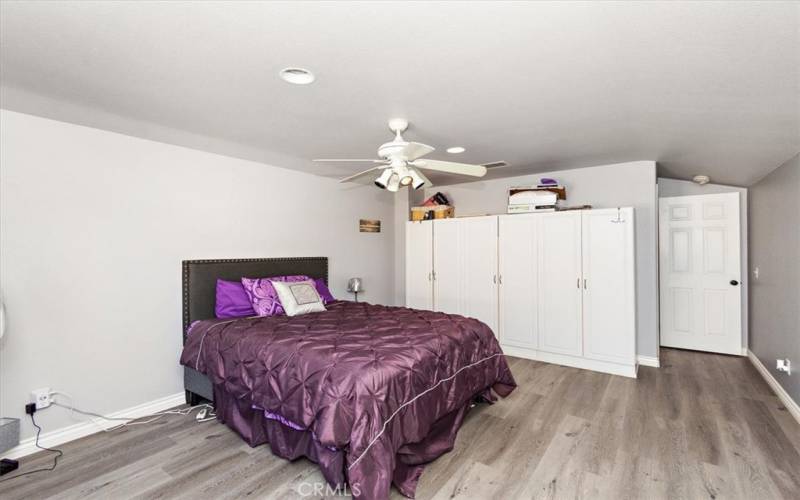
322	290
263	296
232	300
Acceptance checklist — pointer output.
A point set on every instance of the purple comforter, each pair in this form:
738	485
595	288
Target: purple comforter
371	382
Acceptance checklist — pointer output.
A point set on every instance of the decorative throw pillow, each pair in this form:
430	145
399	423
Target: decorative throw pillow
322	289
300	297
232	300
263	296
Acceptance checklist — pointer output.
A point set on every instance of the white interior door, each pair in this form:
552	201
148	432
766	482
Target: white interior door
518	254
419	265
560	283
700	273
465	267
609	302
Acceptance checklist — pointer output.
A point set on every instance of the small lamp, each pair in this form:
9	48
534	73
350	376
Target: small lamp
355	285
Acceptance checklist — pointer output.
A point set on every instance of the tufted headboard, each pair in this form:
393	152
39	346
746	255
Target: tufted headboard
200	279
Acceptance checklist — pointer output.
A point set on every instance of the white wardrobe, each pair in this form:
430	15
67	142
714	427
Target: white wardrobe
557	287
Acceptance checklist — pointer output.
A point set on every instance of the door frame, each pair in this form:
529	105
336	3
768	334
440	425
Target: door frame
743	258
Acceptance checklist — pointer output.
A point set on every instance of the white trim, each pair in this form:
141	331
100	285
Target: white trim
572	361
779	391
649	361
83	429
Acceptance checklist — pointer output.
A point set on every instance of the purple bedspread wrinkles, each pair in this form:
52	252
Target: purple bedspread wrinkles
372	393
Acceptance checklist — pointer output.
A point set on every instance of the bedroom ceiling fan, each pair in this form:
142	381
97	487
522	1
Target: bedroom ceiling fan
400	163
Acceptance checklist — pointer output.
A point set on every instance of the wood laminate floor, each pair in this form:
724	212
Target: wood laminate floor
701	426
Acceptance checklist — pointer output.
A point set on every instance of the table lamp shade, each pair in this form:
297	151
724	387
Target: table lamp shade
355	285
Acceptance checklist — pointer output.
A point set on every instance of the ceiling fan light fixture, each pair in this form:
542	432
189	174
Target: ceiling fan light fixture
455	150
383	180
297	76
416	180
394	182
404	173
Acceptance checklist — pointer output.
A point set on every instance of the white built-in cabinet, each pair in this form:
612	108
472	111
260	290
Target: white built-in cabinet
556	287
465	268
419	266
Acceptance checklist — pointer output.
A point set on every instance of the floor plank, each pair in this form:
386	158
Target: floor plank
702	426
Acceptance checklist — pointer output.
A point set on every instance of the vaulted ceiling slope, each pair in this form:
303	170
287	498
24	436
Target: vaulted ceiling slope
701	87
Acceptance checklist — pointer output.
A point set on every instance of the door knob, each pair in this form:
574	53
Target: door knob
734	282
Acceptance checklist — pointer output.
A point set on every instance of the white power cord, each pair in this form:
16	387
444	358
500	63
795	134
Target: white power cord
206	410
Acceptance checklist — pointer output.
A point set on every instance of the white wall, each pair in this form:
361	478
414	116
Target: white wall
676	187
623	184
93	228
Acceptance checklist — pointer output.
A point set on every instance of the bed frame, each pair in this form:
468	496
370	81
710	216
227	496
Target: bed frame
199	297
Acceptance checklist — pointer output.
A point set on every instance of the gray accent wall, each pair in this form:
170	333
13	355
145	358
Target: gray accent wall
775	250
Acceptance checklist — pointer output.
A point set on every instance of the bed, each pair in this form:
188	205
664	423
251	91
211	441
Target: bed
370	393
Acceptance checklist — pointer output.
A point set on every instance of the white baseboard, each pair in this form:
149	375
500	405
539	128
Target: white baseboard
83	429
779	391
572	361
648	361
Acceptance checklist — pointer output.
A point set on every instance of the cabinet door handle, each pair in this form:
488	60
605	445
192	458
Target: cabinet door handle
429	276
494	279
434	276
500	279
584	284
578	284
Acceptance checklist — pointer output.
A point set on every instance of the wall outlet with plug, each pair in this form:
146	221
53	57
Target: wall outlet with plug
784	365
42	398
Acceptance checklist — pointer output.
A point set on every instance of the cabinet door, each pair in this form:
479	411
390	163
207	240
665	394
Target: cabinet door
609	316
419	265
465	267
519	288
478	270
447	248
560	285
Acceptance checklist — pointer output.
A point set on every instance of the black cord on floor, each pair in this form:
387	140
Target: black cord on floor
36	442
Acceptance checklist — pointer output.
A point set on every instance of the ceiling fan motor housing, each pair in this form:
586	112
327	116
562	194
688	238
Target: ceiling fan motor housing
391	150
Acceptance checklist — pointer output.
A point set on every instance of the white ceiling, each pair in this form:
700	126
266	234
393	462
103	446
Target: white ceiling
700	87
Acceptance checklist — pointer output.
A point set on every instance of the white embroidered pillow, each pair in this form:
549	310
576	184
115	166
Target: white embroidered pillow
299	297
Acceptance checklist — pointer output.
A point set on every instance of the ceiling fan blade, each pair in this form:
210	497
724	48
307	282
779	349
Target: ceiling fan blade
414	150
362	173
344	159
451	167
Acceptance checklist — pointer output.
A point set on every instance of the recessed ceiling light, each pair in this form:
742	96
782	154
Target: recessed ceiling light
297	76
701	179
455	150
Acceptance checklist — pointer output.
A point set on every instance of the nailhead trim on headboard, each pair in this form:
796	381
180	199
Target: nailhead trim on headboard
186	275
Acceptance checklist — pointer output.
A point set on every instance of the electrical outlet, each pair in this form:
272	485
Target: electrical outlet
41	397
784	365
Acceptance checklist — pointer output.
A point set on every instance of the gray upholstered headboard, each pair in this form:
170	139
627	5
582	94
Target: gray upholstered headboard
200	279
